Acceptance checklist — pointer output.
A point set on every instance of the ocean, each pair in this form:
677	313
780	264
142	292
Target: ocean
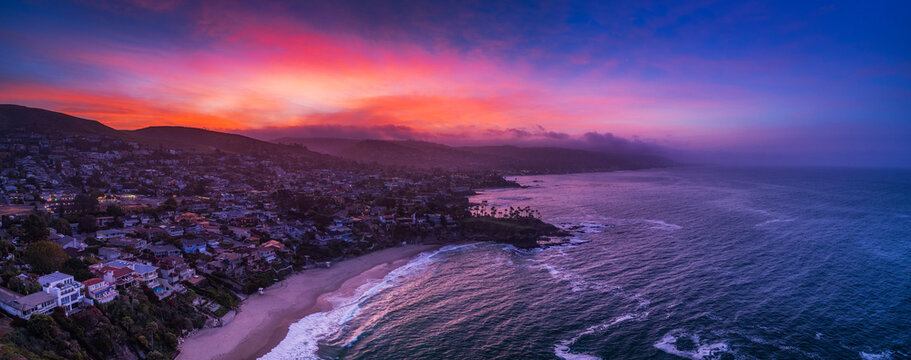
680	263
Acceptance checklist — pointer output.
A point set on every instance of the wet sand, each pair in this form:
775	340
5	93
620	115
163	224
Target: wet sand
263	320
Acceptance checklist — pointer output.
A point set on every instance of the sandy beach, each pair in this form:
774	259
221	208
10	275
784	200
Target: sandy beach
263	320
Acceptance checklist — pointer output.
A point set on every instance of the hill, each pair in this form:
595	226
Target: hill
16	118
201	140
34	120
406	153
511	159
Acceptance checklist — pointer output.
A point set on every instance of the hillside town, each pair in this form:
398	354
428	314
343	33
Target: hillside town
100	233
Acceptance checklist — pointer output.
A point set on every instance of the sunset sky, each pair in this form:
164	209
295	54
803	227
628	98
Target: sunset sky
792	82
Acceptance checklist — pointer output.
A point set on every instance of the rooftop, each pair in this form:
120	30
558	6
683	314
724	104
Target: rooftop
92	281
54	277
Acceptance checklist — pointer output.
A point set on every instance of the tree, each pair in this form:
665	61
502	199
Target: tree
24	286
35	227
78	268
102	342
114	210
87	224
85	203
169	205
62	226
41	326
6	248
45	257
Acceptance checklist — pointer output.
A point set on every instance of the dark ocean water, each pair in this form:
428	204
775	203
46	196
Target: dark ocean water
699	263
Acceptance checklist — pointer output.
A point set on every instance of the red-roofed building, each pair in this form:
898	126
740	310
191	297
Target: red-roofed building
119	276
100	290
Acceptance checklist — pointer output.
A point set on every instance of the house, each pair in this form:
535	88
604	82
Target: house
107	235
66	289
265	253
119	276
69	242
164	250
24	306
173	230
174	269
100	290
105	221
191	246
228	263
109	253
128	242
144	273
274	245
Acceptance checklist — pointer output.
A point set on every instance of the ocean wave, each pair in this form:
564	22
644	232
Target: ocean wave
767	222
661	225
780	344
302	341
607	222
885	355
576	282
692	347
562	350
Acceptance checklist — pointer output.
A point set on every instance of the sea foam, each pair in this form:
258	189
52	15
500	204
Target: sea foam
302	341
885	355
562	350
701	350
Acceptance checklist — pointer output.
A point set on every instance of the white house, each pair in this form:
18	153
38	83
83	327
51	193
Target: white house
67	290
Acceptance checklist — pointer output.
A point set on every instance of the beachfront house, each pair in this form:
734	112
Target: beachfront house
144	274
65	289
121	277
100	290
174	269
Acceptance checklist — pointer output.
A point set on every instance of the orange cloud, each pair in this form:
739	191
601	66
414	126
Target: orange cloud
272	72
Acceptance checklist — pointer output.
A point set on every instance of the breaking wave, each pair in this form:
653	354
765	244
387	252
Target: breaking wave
302	341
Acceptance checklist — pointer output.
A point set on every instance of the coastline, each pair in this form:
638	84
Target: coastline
262	321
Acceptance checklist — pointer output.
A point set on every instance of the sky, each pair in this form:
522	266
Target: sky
789	82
